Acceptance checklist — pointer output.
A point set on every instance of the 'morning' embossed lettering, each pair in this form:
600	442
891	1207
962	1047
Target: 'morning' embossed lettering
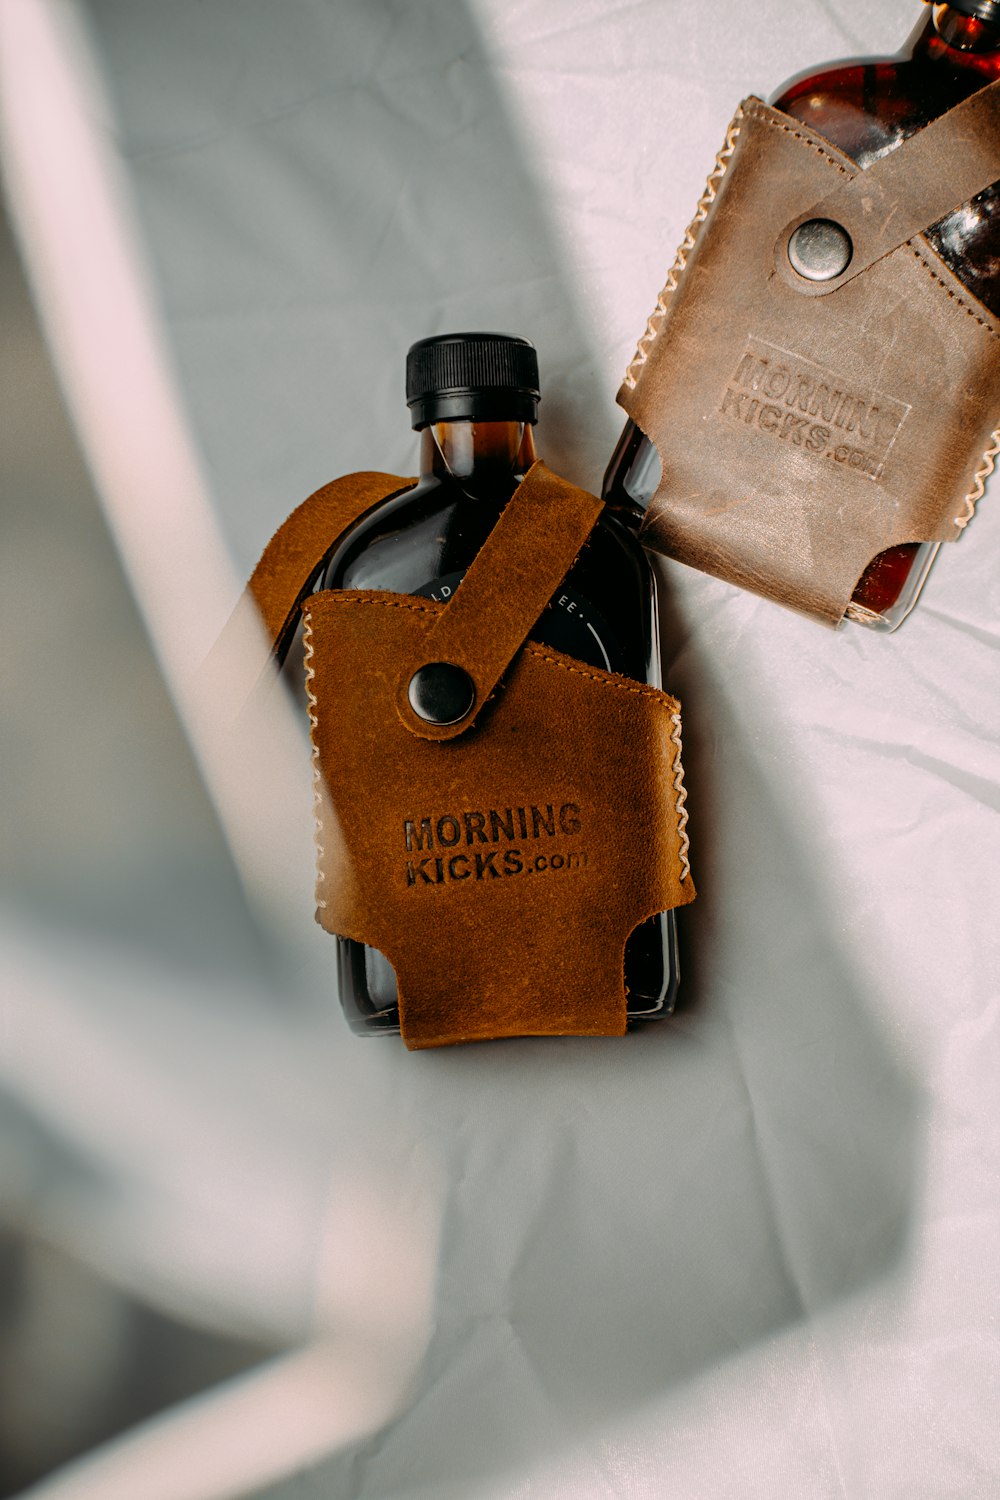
449	832
418	835
540	820
531	822
778	392
473	827
504	825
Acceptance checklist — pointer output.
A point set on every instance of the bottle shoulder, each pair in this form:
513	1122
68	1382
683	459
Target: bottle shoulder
868	105
438	523
397	542
423	541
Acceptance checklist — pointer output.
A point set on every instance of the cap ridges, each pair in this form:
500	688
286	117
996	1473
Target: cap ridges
484	376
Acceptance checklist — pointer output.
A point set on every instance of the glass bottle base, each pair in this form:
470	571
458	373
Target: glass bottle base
363	973
892	615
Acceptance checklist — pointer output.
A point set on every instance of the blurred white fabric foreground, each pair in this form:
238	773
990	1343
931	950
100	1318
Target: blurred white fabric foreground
751	1253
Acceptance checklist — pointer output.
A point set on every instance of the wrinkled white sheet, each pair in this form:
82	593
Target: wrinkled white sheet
753	1252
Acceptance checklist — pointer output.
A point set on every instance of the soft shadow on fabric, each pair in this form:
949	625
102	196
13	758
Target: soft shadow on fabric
622	1215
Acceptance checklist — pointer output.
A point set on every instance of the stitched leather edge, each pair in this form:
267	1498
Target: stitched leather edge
967	307
979	480
687	244
988	461
873	203
318	835
680	799
606	679
759	111
763	113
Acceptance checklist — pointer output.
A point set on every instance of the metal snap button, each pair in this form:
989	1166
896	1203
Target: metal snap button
819	250
441	693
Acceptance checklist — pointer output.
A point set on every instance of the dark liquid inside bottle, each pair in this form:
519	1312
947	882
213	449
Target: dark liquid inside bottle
604	614
867	107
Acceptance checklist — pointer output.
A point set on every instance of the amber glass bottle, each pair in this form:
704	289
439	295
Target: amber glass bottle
473	398
867	107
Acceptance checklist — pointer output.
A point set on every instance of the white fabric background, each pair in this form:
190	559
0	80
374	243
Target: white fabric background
752	1252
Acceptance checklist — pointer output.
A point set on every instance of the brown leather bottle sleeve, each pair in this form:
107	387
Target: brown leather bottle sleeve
800	437
935	171
502	871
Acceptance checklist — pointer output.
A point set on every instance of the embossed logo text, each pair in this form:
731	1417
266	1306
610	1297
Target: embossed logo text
437	844
800	403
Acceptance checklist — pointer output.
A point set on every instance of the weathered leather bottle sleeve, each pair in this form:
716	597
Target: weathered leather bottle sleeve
804	427
500	864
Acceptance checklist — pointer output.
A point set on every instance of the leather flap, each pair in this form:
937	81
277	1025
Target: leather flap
502	872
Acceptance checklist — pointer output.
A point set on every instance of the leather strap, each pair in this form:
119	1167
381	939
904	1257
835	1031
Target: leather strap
293	556
902	194
511	580
518	569
239	659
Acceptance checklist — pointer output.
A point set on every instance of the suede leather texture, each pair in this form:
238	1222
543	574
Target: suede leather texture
295	553
502	869
802	435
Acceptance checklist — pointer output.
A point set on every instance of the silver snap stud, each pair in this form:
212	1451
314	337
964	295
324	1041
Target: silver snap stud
441	693
819	250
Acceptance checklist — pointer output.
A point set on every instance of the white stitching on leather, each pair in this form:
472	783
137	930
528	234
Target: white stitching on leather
681	798
307	642
684	250
979	481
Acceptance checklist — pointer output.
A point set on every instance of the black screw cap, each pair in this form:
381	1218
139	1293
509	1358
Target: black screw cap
485	377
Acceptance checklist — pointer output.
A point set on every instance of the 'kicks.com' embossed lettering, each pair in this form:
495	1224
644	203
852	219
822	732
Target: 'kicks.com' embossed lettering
799	402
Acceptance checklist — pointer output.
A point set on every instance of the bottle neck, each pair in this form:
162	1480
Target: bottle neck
472	451
948	34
